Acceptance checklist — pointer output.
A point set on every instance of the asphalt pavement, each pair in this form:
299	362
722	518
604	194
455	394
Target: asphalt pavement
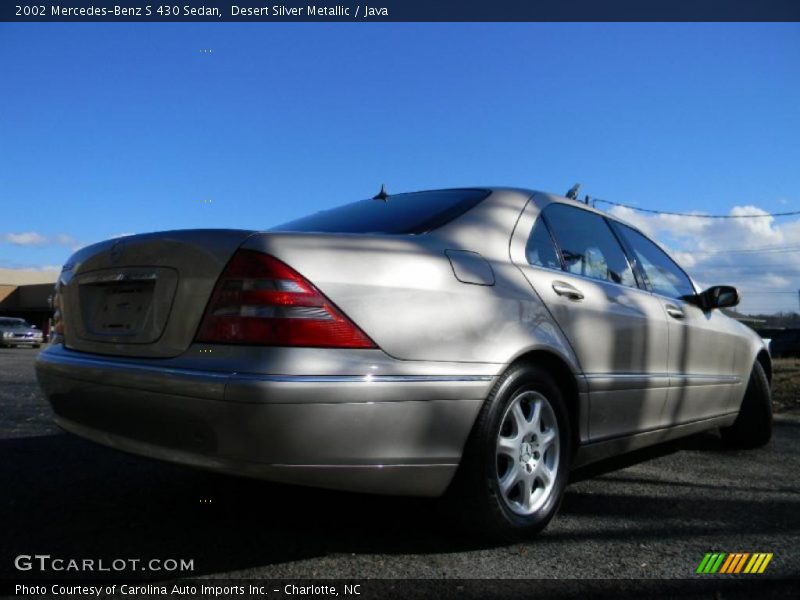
653	514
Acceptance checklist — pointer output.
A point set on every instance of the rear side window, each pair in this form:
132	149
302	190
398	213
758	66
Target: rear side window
588	245
664	276
540	250
413	213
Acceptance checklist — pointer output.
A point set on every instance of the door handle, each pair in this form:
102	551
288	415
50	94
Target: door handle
675	312
570	291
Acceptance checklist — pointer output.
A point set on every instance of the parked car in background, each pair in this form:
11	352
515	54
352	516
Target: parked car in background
471	343
18	332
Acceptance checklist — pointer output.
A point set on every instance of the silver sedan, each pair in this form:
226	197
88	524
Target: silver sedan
18	332
471	343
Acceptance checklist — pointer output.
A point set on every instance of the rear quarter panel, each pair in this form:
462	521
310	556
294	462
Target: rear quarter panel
402	291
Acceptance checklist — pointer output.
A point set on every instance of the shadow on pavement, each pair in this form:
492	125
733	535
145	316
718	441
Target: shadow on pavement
70	498
73	499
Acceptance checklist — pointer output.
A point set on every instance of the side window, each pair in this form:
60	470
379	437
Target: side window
665	277
588	245
540	250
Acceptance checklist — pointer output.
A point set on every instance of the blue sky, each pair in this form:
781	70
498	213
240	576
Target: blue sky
115	128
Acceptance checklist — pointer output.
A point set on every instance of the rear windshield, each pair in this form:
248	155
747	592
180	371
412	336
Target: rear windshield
400	213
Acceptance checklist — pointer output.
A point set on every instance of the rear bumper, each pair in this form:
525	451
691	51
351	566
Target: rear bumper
394	434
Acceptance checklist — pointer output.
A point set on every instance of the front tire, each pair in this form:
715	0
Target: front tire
516	462
753	427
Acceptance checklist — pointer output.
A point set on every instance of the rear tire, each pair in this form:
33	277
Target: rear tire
753	426
516	462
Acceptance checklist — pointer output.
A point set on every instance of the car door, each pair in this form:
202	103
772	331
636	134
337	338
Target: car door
618	331
702	344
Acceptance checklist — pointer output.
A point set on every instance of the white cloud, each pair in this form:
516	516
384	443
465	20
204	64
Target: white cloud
65	240
32	238
28	238
760	256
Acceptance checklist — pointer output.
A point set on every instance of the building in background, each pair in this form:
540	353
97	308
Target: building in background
32	302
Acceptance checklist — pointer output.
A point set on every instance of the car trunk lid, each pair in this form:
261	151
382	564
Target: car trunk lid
143	295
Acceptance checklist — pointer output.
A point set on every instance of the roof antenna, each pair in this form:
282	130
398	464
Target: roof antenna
572	194
382	195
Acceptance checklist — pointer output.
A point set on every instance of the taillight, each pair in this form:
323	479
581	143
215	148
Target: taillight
260	300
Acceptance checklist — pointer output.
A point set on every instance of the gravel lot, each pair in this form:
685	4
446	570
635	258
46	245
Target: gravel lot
650	515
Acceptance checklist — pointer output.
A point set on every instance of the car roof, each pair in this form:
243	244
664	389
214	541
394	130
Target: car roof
564	200
489	241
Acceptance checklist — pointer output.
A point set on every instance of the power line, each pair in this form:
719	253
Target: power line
767	247
783	250
678	214
708	266
772	290
770	248
789	271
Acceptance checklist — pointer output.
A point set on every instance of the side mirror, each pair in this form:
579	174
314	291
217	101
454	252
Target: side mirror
718	296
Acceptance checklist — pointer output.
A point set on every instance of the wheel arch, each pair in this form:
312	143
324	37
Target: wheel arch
765	360
567	381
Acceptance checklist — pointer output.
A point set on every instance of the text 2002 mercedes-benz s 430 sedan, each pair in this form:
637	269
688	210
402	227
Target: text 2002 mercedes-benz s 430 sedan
477	343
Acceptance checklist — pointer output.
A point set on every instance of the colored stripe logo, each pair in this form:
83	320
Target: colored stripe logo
734	563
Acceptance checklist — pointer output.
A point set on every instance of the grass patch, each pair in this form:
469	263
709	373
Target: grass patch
785	384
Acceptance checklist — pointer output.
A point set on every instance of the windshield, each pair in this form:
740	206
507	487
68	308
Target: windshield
14	324
413	213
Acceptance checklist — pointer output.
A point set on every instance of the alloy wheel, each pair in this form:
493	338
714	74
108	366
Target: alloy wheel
527	453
